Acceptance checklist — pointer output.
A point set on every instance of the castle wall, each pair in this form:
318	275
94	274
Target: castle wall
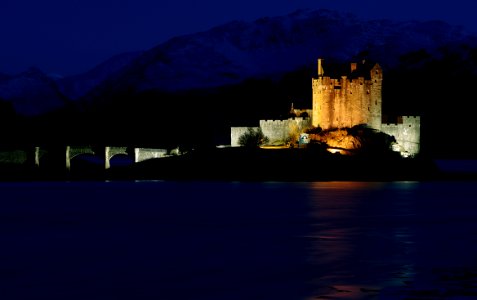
303	123
375	93
407	133
277	131
282	131
236	132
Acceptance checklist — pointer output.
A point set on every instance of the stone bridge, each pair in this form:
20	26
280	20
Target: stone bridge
106	153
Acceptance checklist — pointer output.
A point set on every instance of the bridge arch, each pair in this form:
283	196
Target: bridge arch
73	151
62	155
109	152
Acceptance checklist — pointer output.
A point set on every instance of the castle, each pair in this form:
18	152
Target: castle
353	99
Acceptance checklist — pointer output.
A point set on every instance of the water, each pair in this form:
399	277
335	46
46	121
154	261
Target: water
232	240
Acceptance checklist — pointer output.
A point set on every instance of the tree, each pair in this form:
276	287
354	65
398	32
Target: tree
253	138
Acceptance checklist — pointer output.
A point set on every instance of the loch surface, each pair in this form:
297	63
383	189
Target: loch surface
238	240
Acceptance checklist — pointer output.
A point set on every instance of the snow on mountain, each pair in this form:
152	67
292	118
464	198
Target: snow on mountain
76	86
31	93
232	52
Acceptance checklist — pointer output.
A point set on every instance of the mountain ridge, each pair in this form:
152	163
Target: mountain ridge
232	52
240	71
236	51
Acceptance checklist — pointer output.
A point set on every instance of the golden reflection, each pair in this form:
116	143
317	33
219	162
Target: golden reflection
357	232
349	187
336	150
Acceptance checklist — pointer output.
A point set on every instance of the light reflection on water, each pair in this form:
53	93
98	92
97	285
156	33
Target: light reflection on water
235	240
396	240
358	238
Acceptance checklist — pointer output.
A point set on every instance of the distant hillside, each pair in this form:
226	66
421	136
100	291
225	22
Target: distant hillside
31	93
192	88
270	47
77	86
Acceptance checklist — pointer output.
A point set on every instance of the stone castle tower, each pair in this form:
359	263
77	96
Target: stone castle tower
352	100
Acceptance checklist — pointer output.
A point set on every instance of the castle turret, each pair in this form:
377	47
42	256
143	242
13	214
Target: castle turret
320	68
375	91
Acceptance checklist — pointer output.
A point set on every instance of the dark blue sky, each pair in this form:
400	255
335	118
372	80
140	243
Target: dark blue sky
71	36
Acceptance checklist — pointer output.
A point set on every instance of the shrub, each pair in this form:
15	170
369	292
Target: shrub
253	138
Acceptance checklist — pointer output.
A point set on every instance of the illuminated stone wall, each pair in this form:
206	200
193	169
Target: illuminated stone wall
407	132
141	154
339	103
277	131
281	131
345	102
236	132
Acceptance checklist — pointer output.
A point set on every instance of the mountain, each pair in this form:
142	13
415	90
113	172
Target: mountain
31	93
235	51
234	74
192	88
77	86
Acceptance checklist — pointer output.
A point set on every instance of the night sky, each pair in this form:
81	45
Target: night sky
70	37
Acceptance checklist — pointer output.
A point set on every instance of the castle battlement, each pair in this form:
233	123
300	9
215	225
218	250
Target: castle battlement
407	132
390	125
273	122
407	120
282	131
411	119
327	83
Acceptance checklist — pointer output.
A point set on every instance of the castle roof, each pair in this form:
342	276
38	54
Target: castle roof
350	70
